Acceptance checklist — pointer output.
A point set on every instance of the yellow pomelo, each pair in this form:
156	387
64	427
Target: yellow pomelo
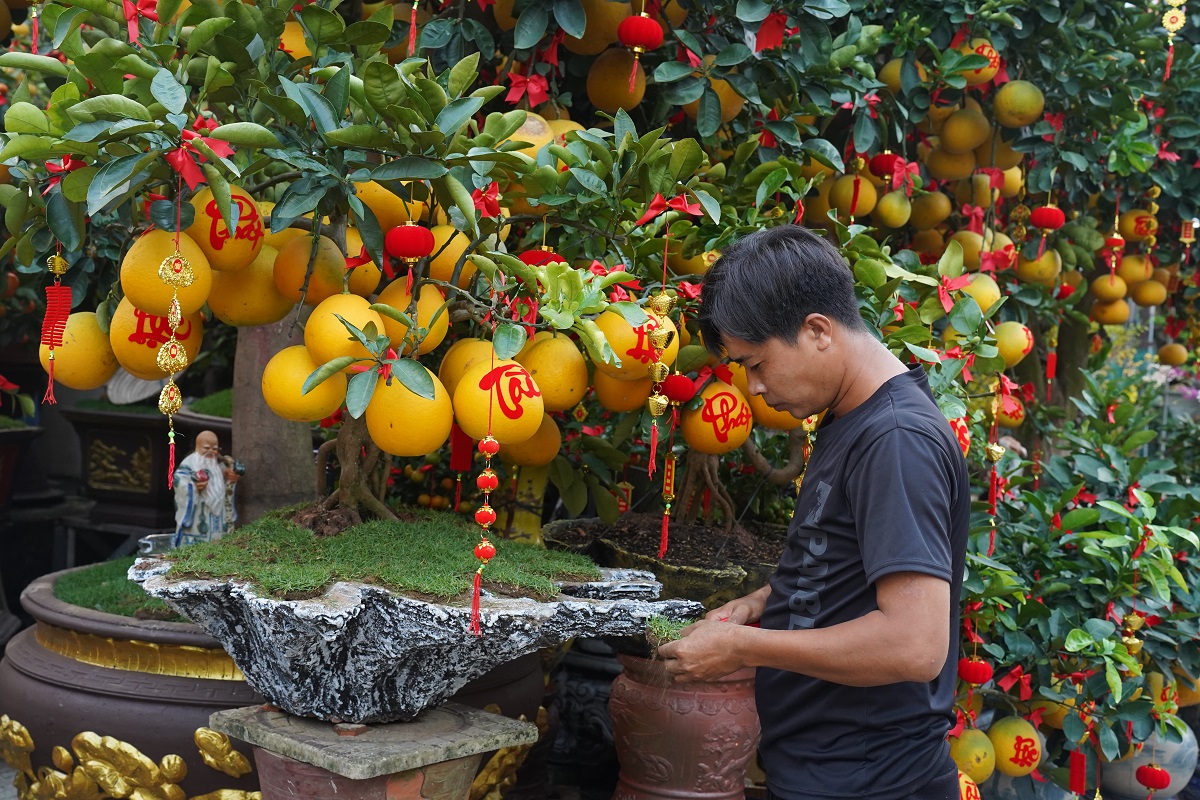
1014	181
249	297
405	424
1015	341
85	360
603	19
682	264
675	13
929	240
292	40
996	241
227	251
1054	712
621	396
890	74
1162	275
1043	269
146	290
291	264
1173	354
501	396
1114	313
1134	269
1018	746
461	355
559	369
1108	288
996	152
327	338
982	47
276	240
430	301
984	289
1011	413
721	423
937	115
136	336
6	23
1137	224
976	191
929	209
502	11
964	130
1187	689
1073	278
732	103
853	196
1017	104
946	166
551	111
389	208
1149	293
763	414
608	81
448	246
561	126
813	168
536	131
537	338
893	210
364	279
967	788
974	754
283	378
632	345
972	245
538	450
816	209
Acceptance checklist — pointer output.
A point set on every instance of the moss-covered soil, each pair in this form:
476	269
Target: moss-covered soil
104	587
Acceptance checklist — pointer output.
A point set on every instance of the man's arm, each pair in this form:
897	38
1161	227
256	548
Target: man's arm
905	640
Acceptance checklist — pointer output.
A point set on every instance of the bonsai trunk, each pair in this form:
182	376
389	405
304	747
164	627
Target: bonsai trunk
364	469
277	453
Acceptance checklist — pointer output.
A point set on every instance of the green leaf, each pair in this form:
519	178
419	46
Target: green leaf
951	262
531	26
382	86
824	153
710	205
671	71
686	158
463	74
322	24
570	16
112	177
360	389
205	32
732	55
1079	519
751	11
326	371
589	180
965	315
64	220
414	377
409	168
770	185
623	126
109	106
167	91
1077	640
456	114
508	340
359	136
245	134
29	62
163	214
630	312
25	117
75	184
708	119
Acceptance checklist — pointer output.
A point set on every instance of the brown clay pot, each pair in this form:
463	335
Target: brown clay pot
146	683
692	740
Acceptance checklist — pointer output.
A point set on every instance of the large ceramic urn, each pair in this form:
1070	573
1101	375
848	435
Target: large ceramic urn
126	699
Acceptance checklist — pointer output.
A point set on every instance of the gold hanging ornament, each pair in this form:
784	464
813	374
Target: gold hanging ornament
175	271
1173	19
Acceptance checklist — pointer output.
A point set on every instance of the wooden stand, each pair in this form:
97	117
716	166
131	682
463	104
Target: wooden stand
434	757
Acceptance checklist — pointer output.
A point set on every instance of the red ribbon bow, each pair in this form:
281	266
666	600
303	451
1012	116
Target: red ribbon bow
995	260
770	32
903	173
535	86
957	352
69	164
899	309
660	204
949	285
1015	676
550	54
487	200
6	385
690	291
871	100
142	8
186	158
974	217
995	176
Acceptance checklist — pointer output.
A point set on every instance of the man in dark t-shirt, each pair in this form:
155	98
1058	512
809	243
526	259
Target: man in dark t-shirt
857	650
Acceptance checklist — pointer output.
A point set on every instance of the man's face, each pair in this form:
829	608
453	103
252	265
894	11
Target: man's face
207	446
784	373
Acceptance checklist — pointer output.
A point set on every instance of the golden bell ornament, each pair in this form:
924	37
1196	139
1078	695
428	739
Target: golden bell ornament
657	403
658	371
661	303
660	338
57	264
171	356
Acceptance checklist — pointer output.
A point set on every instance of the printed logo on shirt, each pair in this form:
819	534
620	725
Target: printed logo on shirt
805	602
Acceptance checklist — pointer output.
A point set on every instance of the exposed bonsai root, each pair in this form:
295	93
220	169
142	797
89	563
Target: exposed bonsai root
783	475
359	488
323	453
700	474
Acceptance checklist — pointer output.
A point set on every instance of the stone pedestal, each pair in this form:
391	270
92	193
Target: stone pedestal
434	757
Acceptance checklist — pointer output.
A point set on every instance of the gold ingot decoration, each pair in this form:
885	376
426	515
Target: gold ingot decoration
1132	644
1134	621
57	264
1155	191
660	338
175	270
995	452
661	303
170	399
1020	213
658	371
1152	207
657	403
131	655
218	753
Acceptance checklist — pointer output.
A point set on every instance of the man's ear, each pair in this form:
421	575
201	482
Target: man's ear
819	328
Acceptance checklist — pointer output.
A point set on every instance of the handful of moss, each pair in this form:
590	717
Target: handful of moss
660	630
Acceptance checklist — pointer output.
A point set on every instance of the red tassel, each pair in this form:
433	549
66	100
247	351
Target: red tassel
662	542
993	491
475	626
1078	774
1170	61
412	40
171	463
633	75
706	500
457	492
854	196
36	49
408	282
1042	246
49	396
462	449
1051	371
653	448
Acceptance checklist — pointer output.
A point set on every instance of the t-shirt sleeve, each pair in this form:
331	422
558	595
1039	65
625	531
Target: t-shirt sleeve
900	493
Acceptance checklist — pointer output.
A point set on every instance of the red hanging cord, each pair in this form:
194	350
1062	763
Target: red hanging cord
412	29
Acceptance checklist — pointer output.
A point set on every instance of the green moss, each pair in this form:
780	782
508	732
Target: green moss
95	404
218	404
104	587
429	553
8	423
661	629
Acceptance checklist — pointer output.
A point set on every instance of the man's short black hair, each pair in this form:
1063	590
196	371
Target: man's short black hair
766	284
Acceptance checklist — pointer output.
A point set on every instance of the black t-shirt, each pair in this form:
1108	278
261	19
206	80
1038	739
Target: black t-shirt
886	491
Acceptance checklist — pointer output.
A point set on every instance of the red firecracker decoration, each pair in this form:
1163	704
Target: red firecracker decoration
58	308
485	517
639	33
1153	777
974	670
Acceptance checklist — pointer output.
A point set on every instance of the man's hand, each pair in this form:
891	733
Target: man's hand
742	611
707	650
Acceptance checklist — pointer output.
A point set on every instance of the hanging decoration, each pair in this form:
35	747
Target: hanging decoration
1173	19
1047	218
410	243
488	481
1051	360
1187	237
58	308
1153	777
412	28
175	271
995	452
640	33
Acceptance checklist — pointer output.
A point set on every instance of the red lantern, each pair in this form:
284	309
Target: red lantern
489	446
1116	242
410	242
488	481
486	517
485	551
678	388
974	670
1048	218
884	164
640	33
1153	777
540	257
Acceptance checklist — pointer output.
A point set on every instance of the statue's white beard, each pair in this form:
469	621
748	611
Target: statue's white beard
215	492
